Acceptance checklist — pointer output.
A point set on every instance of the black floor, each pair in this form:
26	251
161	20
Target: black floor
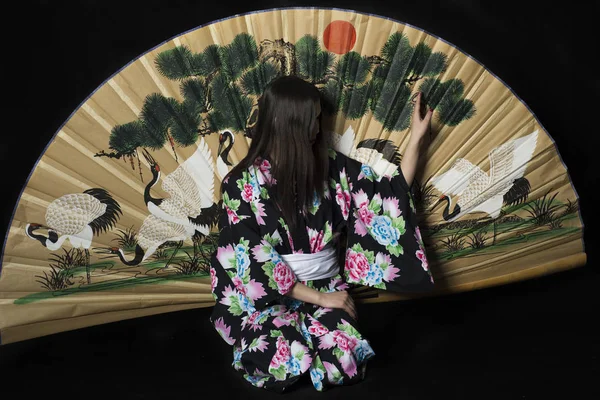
533	340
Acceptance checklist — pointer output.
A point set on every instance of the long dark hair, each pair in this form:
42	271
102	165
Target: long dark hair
287	117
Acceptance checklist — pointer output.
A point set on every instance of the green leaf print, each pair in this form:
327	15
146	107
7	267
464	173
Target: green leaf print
275	333
338	353
327	235
233	204
264	194
235	308
278	373
273	241
349	329
375	205
395	250
268	268
344	183
367	253
399	224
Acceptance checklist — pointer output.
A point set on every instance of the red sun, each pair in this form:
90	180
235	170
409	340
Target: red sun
339	37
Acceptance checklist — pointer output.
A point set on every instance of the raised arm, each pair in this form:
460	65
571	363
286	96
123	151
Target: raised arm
418	135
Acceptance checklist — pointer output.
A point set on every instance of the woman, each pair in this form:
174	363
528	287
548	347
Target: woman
281	298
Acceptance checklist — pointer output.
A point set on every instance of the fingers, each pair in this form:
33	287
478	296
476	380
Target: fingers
346	303
428	116
351	307
417	109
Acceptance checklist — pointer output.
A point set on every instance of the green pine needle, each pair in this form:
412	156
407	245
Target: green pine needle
228	100
332	96
255	80
355	101
396	45
419	59
217	121
352	68
436	64
393	108
312	62
179	63
184	127
125	138
194	94
239	55
433	90
212	58
453	112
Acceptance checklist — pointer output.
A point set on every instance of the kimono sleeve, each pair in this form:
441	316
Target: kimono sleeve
384	245
247	272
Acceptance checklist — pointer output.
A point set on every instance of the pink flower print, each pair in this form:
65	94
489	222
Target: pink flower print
224	330
282	354
239	285
345	342
316	240
317	329
390	205
418	235
366	216
232	216
390	272
264	166
364	219
360	199
357	265
255	290
213	279
284	277
225	255
342	198
247	192
286	319
260	212
421	256
252	321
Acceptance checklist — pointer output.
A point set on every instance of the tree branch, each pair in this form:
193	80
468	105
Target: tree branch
112	154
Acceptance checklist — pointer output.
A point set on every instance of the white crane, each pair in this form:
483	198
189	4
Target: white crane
381	155
191	190
154	232
479	192
77	218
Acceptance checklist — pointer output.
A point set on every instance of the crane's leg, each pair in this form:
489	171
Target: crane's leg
173	254
87	266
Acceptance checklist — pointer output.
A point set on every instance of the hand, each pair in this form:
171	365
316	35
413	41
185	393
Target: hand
420	125
339	299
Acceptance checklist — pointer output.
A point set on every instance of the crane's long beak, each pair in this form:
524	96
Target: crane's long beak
102	250
148	157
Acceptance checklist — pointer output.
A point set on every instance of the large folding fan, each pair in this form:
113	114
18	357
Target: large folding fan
118	219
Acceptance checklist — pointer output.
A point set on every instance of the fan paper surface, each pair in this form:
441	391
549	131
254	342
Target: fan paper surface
509	213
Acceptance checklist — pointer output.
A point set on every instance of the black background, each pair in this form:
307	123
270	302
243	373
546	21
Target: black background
534	339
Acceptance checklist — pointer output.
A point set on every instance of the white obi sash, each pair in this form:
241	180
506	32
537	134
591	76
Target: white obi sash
313	266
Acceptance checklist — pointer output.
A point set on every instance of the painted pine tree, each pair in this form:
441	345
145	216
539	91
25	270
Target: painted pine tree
221	84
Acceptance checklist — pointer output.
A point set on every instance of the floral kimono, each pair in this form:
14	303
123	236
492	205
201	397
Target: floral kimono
275	338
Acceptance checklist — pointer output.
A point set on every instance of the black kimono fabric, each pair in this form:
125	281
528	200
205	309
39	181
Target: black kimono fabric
275	338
